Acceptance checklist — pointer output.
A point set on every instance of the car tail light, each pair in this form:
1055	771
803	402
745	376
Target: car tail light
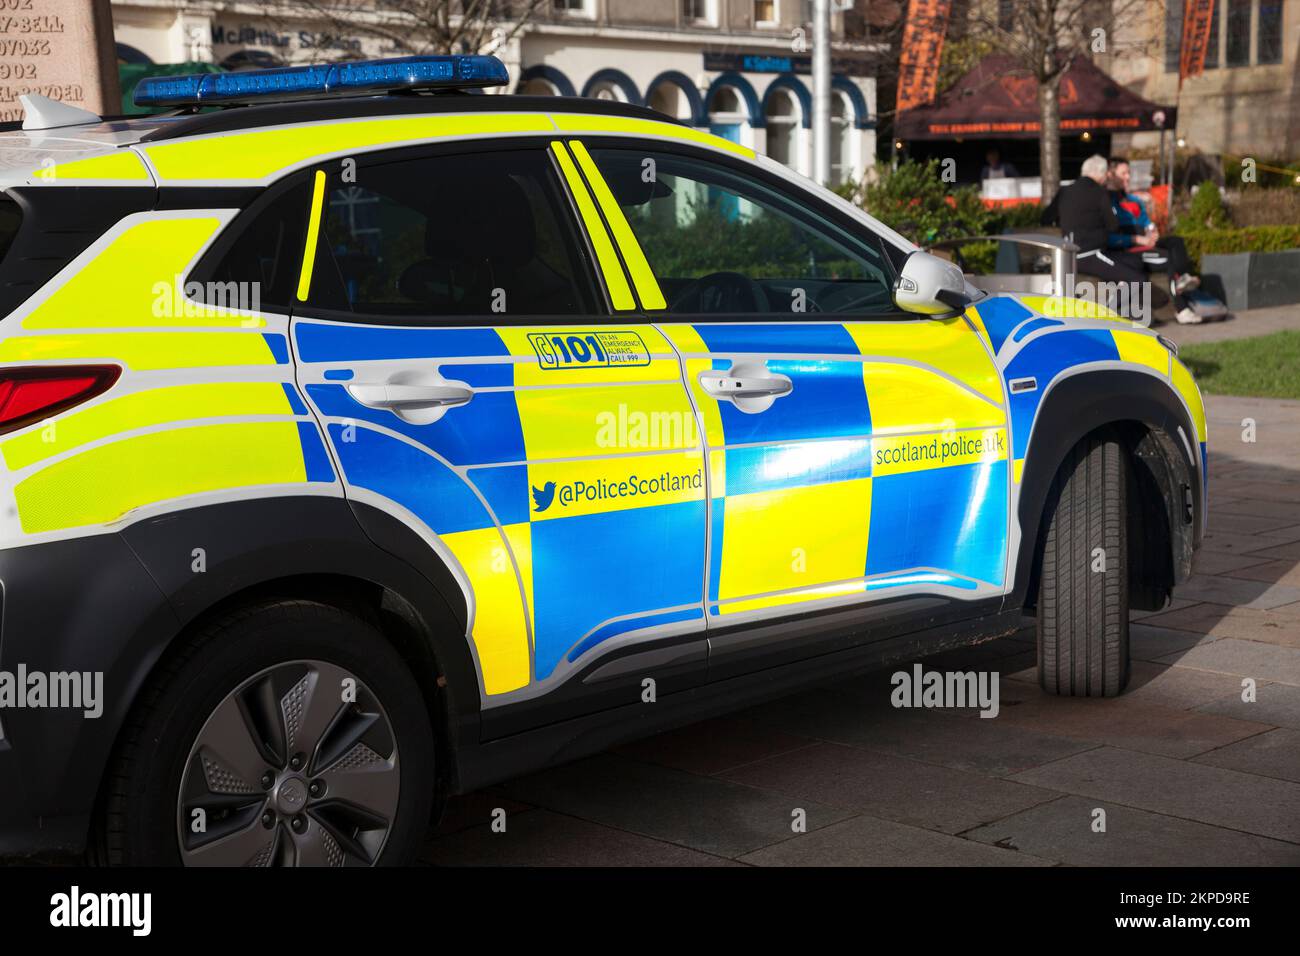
31	394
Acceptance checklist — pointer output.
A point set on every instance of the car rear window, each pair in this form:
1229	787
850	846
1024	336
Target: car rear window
11	217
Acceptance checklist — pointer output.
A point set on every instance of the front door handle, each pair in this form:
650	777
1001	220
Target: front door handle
404	398
727	385
747	385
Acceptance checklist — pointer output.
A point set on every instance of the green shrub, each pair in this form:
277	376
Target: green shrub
913	199
1207	210
1202	242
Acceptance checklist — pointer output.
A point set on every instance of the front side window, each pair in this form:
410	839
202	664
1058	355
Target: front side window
481	234
722	242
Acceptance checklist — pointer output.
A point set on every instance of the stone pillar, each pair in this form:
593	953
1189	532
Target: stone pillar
62	49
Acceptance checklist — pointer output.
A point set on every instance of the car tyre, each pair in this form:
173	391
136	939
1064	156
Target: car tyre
1083	625
362	792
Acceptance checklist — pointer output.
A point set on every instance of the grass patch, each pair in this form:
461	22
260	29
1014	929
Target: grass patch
1267	366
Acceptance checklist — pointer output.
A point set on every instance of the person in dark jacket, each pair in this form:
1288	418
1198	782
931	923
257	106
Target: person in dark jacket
1084	212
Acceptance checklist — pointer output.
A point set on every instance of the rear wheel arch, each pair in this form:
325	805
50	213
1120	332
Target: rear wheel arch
1147	415
253	558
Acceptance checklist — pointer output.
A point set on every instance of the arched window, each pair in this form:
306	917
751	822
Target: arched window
782	121
129	54
841	139
670	100
725	103
538	87
607	91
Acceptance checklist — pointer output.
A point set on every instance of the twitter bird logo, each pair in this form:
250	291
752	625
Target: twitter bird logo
542	499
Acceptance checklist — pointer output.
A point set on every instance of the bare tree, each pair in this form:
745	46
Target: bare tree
415	27
1044	37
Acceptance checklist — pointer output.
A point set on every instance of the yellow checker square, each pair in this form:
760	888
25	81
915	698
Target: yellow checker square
1186	386
907	398
1142	349
794	538
941	343
500	632
606	420
110	292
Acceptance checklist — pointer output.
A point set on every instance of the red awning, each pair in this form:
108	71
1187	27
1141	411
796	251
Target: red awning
998	100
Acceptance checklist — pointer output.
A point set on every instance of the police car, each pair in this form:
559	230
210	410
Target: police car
371	440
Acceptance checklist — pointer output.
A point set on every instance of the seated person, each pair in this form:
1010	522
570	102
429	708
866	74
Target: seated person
1084	212
1137	234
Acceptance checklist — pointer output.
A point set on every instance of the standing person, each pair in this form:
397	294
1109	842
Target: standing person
1137	234
995	168
1084	212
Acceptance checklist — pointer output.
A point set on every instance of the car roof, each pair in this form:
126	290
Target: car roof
24	151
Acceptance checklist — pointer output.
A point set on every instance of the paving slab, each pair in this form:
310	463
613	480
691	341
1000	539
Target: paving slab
1147	642
712	746
1280	511
1181	688
476	809
1281	552
709	814
1062	831
1285	573
980	744
1179	788
1245	658
1272	754
1177	604
1237	592
1243	524
871	841
543	838
1223	562
895	788
1276	626
1232	543
1274	704
1124	721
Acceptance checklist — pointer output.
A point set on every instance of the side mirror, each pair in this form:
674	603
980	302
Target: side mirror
930	286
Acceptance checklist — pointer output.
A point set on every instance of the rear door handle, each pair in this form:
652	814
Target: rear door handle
406	398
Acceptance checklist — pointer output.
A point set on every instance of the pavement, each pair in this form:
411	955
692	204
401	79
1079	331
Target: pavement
1243	325
1186	769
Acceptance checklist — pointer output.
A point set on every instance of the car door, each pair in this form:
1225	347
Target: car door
855	452
456	343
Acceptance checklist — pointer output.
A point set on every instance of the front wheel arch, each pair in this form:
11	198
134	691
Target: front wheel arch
1149	415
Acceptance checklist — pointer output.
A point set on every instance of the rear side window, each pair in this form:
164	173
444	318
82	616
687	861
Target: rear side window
258	263
482	234
11	217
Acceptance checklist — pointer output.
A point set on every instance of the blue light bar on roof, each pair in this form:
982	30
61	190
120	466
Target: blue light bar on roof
339	79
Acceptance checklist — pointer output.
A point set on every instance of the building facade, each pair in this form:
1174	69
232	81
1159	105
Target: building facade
740	68
1247	102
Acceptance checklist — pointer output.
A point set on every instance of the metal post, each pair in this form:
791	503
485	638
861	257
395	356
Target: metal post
821	69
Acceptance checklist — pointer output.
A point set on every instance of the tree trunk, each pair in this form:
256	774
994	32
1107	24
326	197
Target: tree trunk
1049	140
